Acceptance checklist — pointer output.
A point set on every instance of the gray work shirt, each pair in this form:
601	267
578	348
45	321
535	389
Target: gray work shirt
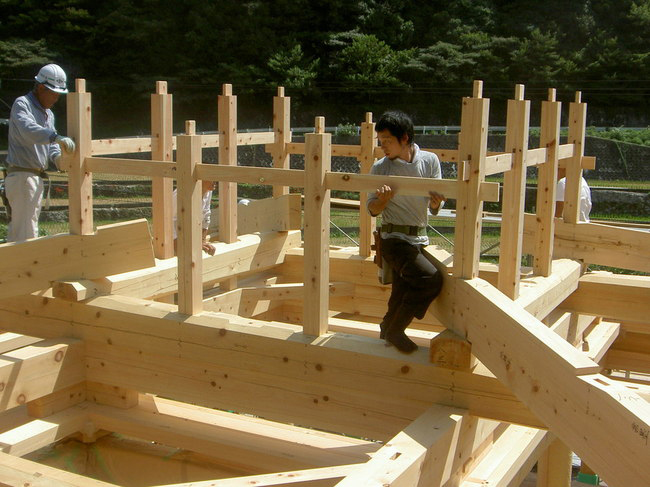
31	134
407	209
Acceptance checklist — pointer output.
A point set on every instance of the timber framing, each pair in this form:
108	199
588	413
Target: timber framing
263	363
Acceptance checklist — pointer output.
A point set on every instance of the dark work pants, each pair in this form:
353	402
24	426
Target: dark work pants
416	282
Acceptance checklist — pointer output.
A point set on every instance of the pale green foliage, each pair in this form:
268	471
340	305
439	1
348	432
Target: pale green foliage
291	69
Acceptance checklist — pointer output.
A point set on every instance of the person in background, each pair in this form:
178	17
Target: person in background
585	197
33	144
416	281
206	189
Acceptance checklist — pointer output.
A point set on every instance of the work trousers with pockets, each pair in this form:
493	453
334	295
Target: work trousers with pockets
25	193
416	281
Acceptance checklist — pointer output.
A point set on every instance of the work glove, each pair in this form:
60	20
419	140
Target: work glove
66	143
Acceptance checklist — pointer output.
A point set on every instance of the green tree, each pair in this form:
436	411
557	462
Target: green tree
291	69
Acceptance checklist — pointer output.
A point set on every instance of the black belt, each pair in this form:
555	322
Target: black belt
38	172
405	229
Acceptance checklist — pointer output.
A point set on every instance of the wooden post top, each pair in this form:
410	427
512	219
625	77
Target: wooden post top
319	125
280	90
552	94
519	92
578	97
190	127
80	85
161	87
227	90
368	117
478	89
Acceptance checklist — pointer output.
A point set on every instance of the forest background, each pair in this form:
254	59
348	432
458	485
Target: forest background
337	58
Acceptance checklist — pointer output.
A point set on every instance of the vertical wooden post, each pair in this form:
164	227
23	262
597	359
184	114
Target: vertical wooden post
227	105
577	123
189	220
546	185
472	150
554	466
80	181
366	160
282	130
318	161
514	195
162	188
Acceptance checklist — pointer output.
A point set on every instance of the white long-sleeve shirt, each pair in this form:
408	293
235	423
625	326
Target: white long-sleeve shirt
31	134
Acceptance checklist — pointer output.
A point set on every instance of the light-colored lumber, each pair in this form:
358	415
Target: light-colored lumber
546	186
510	458
514	195
447	349
80	182
600	338
162	188
366	160
498	163
594	243
32	265
318	162
554	466
424	449
35	371
247	443
11	341
111	395
251	174
74	290
406	185
39	433
189	223
131	167
282	213
121	145
282	136
58	400
472	149
612	296
576	136
17	472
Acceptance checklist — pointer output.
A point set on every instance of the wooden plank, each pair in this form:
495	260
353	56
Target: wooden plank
405	185
554	466
246	442
366	160
131	167
510	459
227	120
189	221
318	161
58	400
74	290
472	148
596	244
130	145
110	395
11	341
17	472
429	439
251	175
80	190
39	433
37	370
282	136
514	195
602	422
577	130
546	186
600	338
162	188
498	163
31	266
612	296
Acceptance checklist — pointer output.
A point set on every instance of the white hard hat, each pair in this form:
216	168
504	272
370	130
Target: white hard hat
53	77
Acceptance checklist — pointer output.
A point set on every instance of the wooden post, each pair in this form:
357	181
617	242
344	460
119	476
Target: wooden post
472	150
554	466
318	161
189	220
282	130
514	195
577	122
366	160
546	185
227	156
162	188
80	181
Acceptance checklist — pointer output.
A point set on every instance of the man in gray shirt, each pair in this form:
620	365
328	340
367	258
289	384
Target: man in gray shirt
33	143
416	282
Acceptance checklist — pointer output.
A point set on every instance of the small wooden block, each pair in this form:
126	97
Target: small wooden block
451	351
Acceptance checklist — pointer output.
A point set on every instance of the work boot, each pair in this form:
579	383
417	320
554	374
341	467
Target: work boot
395	333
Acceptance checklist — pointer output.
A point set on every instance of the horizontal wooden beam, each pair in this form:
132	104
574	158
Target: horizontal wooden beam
32	265
251	174
127	145
131	167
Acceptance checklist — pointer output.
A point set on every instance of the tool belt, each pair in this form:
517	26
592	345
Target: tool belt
38	172
412	230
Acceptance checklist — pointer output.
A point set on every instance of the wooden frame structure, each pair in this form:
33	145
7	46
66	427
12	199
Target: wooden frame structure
514	367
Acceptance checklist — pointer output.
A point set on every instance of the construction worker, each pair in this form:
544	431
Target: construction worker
33	144
415	281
